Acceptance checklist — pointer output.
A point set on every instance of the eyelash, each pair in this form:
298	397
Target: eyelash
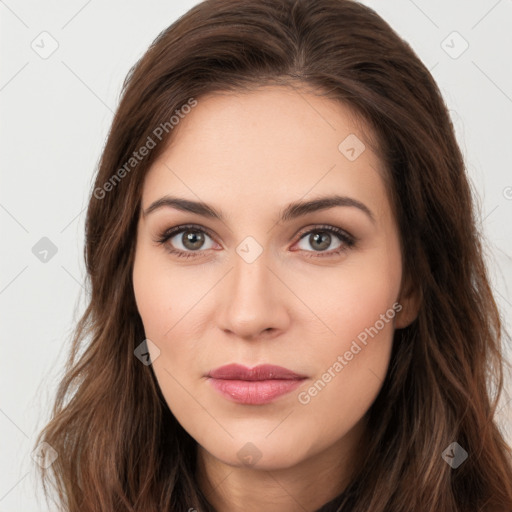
348	241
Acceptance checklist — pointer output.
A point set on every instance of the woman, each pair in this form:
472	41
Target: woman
289	306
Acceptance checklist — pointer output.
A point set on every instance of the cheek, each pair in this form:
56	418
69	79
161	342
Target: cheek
353	296
169	305
352	361
161	295
162	300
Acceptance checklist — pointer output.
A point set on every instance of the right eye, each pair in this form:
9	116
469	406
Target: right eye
189	240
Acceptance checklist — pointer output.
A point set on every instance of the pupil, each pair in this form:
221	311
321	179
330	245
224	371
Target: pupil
193	238
319	236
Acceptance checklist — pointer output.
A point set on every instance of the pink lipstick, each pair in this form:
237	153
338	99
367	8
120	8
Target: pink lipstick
254	386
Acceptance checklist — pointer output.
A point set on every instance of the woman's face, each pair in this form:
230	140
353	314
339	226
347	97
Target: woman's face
266	283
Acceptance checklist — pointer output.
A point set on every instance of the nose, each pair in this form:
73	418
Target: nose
253	301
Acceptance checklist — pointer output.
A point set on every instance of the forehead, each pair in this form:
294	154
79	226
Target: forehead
261	145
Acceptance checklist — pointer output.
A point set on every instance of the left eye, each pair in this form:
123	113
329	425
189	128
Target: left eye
319	240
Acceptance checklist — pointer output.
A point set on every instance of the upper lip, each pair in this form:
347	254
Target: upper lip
260	372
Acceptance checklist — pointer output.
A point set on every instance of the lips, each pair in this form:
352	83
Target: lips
254	386
261	372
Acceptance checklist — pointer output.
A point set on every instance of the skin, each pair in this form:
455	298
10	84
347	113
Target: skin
249	155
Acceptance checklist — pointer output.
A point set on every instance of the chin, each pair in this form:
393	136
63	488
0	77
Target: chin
260	453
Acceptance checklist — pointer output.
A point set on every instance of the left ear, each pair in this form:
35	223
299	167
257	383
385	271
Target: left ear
410	299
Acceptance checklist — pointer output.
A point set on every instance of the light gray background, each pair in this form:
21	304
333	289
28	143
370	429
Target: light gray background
55	115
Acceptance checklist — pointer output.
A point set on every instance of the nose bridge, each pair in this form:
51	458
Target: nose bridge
251	301
250	280
251	257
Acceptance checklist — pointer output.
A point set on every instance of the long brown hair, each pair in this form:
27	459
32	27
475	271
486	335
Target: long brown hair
119	446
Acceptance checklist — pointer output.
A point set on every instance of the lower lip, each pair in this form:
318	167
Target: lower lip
255	392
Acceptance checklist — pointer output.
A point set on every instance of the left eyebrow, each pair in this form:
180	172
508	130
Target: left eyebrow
291	211
301	208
